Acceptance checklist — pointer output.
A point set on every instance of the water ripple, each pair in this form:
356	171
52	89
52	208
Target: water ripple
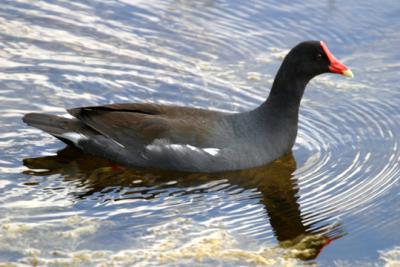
341	174
210	54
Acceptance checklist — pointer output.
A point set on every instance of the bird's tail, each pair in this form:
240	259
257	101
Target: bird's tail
51	124
62	128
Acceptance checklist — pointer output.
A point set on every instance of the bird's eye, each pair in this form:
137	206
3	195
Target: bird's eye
319	56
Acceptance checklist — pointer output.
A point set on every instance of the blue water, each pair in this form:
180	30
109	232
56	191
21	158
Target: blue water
341	184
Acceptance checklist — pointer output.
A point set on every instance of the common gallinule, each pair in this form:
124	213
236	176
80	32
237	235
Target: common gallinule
192	139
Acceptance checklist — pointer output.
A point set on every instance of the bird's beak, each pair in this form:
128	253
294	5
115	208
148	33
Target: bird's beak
335	65
338	67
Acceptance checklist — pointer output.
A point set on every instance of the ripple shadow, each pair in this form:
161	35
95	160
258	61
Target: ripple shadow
274	185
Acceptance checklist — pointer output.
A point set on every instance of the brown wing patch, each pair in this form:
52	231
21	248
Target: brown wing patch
135	125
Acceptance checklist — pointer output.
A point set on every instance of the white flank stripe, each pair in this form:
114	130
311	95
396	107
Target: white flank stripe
178	147
212	151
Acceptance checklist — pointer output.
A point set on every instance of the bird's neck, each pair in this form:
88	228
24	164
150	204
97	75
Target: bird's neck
286	93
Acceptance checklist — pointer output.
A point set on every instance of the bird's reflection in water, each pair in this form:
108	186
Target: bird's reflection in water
274	181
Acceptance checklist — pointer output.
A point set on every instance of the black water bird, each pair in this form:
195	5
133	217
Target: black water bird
192	139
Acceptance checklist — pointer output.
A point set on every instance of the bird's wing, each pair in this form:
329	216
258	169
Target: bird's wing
136	125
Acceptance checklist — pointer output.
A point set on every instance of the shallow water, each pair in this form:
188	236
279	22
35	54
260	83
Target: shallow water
338	191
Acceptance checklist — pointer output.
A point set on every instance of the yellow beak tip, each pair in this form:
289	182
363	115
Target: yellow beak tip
348	73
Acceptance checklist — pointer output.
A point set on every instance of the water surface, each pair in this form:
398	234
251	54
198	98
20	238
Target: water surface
333	202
